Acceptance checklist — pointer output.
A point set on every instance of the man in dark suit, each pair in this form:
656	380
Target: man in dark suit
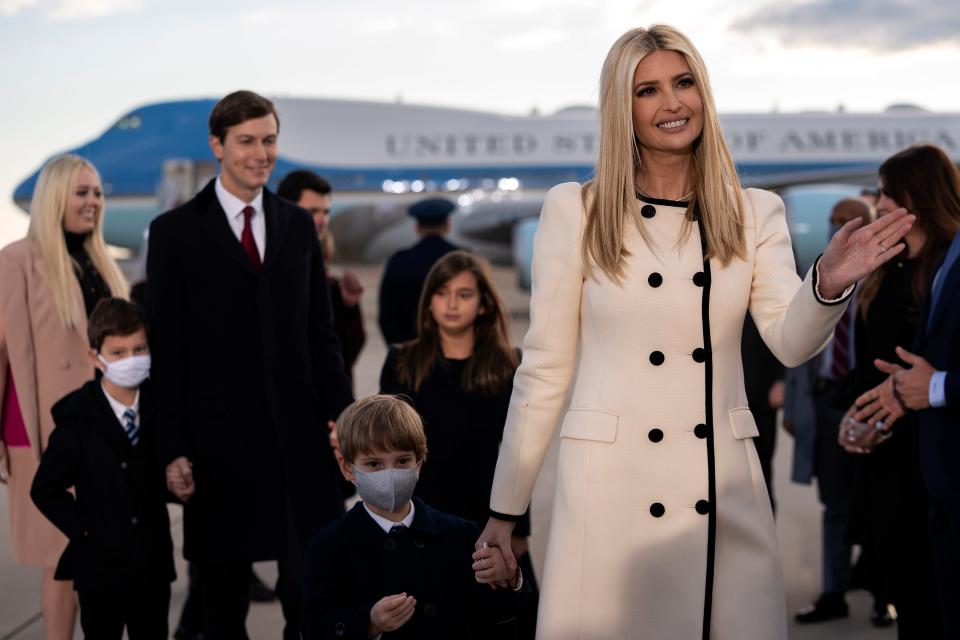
930	385
406	270
247	370
815	402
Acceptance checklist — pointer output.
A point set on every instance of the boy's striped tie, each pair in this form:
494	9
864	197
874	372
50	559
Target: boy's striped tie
130	426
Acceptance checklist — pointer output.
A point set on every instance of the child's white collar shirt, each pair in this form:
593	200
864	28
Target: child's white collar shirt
385	524
119	408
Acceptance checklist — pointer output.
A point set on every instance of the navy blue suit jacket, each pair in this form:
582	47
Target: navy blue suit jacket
939	428
403	278
353	563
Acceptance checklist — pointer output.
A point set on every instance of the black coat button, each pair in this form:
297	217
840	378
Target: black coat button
430	609
123	465
340	630
655	435
390	544
699	278
656	358
418	543
648	211
657	510
703	507
134	520
701	430
699	355
655	280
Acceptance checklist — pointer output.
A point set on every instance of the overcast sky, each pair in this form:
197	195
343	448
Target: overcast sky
70	68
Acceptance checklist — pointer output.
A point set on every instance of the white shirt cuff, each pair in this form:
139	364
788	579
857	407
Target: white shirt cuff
938	389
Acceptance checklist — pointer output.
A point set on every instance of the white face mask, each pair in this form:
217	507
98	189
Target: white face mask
128	373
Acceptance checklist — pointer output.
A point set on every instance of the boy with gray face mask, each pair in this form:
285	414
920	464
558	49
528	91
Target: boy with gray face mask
393	564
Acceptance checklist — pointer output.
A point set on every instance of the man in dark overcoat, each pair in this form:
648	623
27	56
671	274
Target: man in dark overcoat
247	371
407	270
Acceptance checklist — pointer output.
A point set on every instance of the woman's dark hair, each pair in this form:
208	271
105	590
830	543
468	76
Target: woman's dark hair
494	359
925	181
114	317
296	182
236	108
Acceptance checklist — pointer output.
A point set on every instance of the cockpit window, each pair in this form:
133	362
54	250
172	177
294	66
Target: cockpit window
129	122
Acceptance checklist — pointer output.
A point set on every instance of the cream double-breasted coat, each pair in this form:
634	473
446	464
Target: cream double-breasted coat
661	527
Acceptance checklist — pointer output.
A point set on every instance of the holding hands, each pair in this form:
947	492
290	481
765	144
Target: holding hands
855	251
180	478
489	567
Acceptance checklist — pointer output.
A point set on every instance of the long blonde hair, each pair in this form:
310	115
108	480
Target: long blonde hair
51	198
610	199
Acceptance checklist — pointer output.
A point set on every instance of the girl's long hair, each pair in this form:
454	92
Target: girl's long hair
51	198
494	359
924	180
610	199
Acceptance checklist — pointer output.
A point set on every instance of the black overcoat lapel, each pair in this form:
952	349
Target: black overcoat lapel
213	220
276	222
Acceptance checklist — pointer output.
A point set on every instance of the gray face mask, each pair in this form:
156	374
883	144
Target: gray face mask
388	489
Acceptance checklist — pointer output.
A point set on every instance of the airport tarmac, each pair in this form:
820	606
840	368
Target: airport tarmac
798	520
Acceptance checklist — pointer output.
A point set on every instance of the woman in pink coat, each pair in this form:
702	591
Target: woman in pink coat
49	283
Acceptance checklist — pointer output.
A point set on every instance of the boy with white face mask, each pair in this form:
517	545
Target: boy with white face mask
393	565
120	554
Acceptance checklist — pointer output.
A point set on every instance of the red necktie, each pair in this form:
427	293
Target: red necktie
246	238
841	347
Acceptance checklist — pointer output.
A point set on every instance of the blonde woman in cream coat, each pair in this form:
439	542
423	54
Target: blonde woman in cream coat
661	527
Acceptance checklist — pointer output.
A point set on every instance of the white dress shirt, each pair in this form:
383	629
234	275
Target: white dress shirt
234	206
119	408
385	524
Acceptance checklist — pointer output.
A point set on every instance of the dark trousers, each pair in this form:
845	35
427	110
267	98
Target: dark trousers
219	595
944	529
890	513
142	611
766	441
835	470
224	598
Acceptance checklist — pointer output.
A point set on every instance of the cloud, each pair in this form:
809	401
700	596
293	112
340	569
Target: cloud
531	40
85	9
878	25
13	7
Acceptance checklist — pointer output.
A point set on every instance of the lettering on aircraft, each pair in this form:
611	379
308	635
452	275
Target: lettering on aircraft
486	145
839	140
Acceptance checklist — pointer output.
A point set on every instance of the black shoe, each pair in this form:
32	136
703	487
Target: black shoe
827	607
259	592
182	633
880	616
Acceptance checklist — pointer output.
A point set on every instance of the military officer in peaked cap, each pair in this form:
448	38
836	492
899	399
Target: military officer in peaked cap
407	269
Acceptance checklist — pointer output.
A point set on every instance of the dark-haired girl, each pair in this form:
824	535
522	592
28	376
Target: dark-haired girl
458	374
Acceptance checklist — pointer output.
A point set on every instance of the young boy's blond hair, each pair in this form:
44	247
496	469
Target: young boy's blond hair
380	423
